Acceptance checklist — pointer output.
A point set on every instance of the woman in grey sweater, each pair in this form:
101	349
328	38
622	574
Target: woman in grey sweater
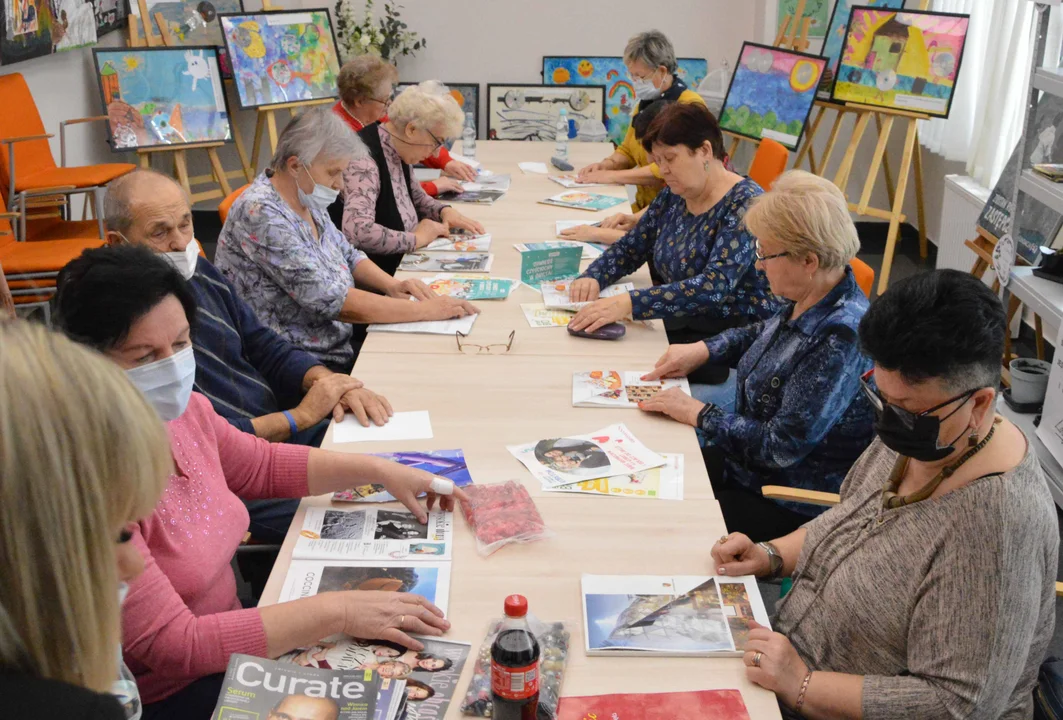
928	592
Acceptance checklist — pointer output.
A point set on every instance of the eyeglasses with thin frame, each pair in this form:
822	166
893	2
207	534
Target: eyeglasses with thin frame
907	418
493	349
762	258
435	144
386	102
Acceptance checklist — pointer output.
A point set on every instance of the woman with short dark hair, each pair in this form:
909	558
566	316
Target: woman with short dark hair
929	591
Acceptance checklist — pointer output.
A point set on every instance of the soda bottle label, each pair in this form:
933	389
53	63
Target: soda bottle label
515	683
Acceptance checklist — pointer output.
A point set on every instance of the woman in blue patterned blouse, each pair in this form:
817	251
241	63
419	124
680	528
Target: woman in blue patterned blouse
693	235
800	418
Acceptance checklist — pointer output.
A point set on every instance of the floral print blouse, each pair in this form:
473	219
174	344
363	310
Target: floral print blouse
294	282
361	186
707	261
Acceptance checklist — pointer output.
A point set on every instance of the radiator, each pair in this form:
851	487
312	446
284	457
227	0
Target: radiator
963	201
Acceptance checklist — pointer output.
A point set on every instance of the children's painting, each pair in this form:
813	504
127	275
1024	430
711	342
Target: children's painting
835	38
619	93
816	10
282	57
771	94
530	112
162	96
34	28
194	22
901	60
467	95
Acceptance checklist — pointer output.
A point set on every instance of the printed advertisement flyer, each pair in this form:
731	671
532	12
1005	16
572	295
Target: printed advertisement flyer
565	460
663	483
540	316
616	388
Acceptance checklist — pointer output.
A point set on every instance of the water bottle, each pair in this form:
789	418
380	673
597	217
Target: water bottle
125	689
468	138
561	135
515	665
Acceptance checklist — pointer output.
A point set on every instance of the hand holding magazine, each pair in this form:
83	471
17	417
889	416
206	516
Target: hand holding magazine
556	294
614	388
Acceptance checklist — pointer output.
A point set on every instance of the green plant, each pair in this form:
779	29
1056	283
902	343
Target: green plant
389	37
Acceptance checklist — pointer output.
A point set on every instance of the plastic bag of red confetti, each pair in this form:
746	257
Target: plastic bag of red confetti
501	514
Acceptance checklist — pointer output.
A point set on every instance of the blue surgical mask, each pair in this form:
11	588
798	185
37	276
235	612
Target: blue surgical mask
320	198
167	383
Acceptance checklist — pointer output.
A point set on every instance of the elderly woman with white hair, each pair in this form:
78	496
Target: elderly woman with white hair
385	212
294	267
800	418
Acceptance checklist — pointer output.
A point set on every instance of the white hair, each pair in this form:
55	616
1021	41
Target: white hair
653	48
317	134
429	106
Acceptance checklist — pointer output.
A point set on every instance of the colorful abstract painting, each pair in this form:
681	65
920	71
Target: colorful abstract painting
34	28
530	112
818	10
901	60
162	96
835	38
610	72
282	57
111	15
467	95
771	94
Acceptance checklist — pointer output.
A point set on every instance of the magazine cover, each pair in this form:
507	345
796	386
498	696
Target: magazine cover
430	580
568	180
615	388
472	288
449	464
610	451
680	616
256	689
580	200
556	297
373	533
431	675
540	316
446	262
663	483
475	195
590	250
715	704
461	243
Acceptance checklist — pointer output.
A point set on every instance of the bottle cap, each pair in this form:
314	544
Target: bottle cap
516	606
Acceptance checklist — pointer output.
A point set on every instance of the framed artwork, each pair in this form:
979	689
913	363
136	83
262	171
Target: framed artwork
162	96
835	38
282	57
192	22
818	10
467	95
902	60
35	28
530	112
610	71
111	15
771	94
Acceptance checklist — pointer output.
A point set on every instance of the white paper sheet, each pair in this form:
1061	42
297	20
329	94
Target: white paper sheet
414	425
534	167
428	327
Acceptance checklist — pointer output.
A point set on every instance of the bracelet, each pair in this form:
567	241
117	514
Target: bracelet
804	689
703	412
291	423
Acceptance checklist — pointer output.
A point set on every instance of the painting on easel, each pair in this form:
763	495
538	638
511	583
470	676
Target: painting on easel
817	10
530	112
835	38
162	96
771	94
34	28
191	22
905	61
282	57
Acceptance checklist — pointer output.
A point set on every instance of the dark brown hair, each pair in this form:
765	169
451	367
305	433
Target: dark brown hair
689	124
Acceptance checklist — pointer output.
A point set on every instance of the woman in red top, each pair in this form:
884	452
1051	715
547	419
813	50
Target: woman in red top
366	84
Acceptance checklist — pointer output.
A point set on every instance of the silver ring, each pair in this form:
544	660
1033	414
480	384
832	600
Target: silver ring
756	658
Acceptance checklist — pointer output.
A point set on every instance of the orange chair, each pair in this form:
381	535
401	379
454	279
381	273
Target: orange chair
864	274
769	163
27	168
223	208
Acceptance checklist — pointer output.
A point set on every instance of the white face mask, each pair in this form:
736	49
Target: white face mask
167	383
320	198
184	262
645	89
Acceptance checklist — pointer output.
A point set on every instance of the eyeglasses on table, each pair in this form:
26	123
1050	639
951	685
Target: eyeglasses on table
468	348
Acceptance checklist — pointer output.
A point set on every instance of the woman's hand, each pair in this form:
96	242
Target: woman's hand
366	405
592	168
461	171
620	221
411	288
736	554
583	290
599	175
446	184
427	231
773	663
455	219
447	308
582	233
602	312
679	361
376	615
323	398
676	404
406	483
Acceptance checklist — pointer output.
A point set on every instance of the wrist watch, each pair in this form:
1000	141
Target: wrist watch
774	560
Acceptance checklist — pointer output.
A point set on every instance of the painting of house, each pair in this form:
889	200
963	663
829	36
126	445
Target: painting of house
835	38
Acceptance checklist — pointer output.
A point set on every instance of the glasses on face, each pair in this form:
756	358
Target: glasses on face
762	258
385	102
438	143
493	349
907	418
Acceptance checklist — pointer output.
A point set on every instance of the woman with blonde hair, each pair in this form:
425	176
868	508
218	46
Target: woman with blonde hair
69	494
386	213
799	419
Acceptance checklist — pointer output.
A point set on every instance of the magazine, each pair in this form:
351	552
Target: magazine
446	262
373	534
461	243
614	388
550	263
715	704
678	616
569	181
431	675
565	460
590	250
449	464
430	580
581	200
663	483
390	699
256	688
540	316
477	196
472	288
555	294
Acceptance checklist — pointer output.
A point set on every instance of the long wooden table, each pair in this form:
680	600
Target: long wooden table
482	403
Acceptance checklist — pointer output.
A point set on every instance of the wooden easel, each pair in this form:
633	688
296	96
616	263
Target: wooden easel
267	123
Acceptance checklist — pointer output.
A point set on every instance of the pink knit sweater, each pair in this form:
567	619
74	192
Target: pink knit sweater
182	619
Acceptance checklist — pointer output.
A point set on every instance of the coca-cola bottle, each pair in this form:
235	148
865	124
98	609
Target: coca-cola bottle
515	665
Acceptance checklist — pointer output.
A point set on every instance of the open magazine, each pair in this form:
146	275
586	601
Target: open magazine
616	388
565	460
582	200
461	243
472	288
449	464
540	316
446	262
373	534
555	294
430	580
675	616
661	483
590	250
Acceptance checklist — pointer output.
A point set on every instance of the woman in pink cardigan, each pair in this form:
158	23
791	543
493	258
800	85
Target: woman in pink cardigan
182	619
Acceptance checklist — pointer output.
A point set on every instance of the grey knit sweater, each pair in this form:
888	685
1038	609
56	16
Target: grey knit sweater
946	606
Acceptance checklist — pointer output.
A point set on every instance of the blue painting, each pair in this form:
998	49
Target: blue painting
835	39
610	72
771	94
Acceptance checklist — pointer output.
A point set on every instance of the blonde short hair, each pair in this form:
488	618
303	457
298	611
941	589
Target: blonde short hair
806	214
360	77
430	106
81	453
